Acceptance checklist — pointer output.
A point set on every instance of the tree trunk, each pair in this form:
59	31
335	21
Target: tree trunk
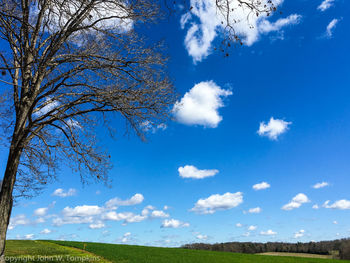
6	199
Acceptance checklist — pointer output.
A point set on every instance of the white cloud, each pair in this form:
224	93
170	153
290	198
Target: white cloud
218	202
62	193
159	214
84	210
45	231
200	105
97	225
330	27
47	106
239	225
252	228
315	206
320	185
274	128
299	234
190	171
340	204
40	211
18	220
296	202
335	222
29	236
207	21
148	126
134	200
255	210
268	233
202	237
325	5
266	26
261	186
173	223
126	237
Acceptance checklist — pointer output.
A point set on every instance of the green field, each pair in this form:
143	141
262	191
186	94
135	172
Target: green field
99	252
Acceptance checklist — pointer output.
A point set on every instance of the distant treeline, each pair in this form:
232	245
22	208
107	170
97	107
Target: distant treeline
322	248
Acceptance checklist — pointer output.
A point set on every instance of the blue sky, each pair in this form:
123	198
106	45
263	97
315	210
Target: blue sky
251	137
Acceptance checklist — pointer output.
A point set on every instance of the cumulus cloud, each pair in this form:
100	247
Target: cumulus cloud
296	202
127	217
340	204
200	105
29	236
40	211
62	193
330	27
190	171
18	220
326	4
173	223
97	225
252	228
239	225
202	237
268	233
96	216
261	186
255	210
205	22
218	202
82	211
134	200
299	234
273	128
126	237
320	185
159	214
45	231
316	206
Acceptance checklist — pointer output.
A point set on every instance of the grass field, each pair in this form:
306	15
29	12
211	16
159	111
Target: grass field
39	251
302	255
139	254
18	251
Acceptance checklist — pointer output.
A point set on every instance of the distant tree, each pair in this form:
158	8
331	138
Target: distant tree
344	251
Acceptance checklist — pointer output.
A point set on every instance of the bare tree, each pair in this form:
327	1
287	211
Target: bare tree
71	66
68	64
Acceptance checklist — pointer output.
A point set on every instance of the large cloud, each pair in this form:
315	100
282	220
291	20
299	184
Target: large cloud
200	105
296	202
218	202
206	21
190	171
